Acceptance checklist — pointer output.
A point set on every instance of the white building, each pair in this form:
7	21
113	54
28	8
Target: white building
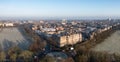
48	29
8	24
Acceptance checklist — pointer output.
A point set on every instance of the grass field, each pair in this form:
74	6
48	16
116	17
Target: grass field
14	36
110	45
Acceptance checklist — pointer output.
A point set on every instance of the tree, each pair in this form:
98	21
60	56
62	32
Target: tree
69	60
13	57
38	44
48	59
26	55
13	52
2	56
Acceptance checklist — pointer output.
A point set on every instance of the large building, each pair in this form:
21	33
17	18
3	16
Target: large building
71	39
6	24
9	24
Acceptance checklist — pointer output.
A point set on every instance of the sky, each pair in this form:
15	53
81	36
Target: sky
53	8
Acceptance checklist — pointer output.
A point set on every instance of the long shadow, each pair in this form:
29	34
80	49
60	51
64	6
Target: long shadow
7	44
1	49
22	44
22	31
27	41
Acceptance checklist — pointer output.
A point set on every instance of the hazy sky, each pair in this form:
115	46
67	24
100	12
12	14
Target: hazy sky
59	8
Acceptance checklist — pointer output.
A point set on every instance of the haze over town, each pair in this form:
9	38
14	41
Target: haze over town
59	30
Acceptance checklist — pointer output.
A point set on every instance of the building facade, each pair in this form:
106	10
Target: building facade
71	39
